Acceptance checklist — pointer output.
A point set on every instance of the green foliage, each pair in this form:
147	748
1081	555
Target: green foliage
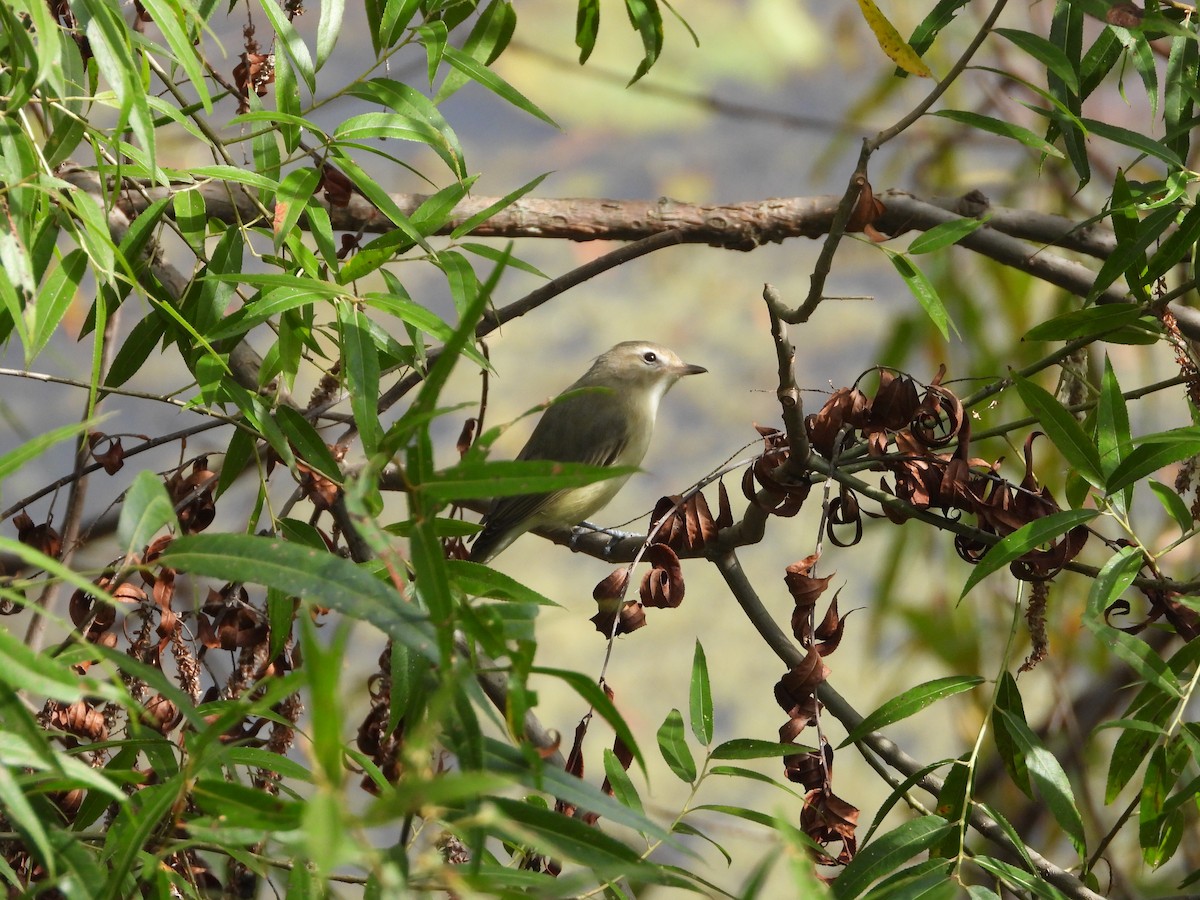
208	719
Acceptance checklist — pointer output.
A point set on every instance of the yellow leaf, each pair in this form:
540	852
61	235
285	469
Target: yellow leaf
891	42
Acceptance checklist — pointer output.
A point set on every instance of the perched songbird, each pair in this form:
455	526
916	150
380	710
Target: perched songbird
608	425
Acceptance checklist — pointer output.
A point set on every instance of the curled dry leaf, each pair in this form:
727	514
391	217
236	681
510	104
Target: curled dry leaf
254	73
610	591
806	769
785	498
42	538
828	819
338	190
632	617
192	496
686	525
662	586
1124	15
113	459
867	210
466	437
903	428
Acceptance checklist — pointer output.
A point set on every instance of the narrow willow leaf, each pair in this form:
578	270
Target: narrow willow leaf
507	478
888	852
944	235
922	288
1176	508
620	783
1146	459
14	459
294	49
329	26
360	362
1028	537
147	509
674	748
293	195
911	702
1092	321
1001	128
700	706
1045	52
1064	431
1051	781
587	26
303	572
589	691
53	301
1134	139
494	83
754	748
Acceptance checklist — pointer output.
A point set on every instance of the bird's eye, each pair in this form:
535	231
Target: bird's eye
650	356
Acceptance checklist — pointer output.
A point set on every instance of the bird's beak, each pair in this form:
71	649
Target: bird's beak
689	369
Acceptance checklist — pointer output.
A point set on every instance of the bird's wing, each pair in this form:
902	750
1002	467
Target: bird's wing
604	430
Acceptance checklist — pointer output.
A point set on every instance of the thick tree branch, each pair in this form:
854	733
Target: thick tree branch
736	226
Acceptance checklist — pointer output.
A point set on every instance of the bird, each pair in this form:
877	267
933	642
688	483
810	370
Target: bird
606	418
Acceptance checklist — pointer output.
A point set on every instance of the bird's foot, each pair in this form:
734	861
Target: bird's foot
614	536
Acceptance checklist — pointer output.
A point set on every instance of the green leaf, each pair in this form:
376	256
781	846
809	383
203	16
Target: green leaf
1135	140
1045	52
147	508
508	478
360	362
911	702
1161	824
1113	438
329	26
39	673
1146	459
37	446
922	288
753	748
1176	508
587	26
308	443
294	48
1063	430
700	705
494	83
1002	129
622	786
484	214
1129	257
1134	744
674	748
293	195
944	235
1050	780
887	853
1091	321
301	571
53	301
477	580
598	699
565	838
172	20
1178	248
1013	877
1114	578
1028	537
646	19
